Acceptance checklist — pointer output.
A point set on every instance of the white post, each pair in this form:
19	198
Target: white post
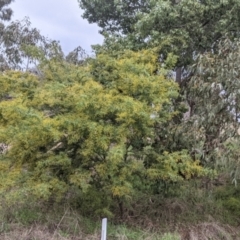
104	229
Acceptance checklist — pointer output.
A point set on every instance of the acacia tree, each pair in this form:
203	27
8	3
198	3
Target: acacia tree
89	128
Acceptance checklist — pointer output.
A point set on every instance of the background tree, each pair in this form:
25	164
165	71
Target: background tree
187	27
21	46
114	16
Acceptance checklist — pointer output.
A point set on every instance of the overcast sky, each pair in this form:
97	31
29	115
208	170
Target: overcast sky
59	20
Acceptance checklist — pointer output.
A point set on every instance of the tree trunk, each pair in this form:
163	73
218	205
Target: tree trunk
179	75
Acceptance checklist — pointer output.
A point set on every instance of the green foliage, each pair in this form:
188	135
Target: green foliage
113	15
174	167
227	198
213	90
229	156
88	127
187	27
191	26
233	204
26	216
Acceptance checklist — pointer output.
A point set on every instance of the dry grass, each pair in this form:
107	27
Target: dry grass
37	232
203	231
210	231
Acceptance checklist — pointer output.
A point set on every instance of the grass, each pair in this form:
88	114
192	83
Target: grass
70	225
188	213
32	224
31	221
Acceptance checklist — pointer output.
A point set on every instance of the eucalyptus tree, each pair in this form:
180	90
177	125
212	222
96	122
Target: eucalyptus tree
18	39
214	88
21	46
